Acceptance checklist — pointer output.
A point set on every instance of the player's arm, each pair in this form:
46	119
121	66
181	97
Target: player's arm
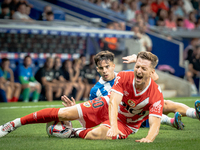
11	75
114	102
154	123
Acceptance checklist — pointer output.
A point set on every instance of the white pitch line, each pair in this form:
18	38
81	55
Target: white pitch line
36	106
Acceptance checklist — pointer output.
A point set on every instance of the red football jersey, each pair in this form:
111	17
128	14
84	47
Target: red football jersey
137	107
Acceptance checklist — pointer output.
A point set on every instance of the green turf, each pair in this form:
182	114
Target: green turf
34	137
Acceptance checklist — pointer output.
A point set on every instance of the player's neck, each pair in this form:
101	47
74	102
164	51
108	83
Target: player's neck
141	87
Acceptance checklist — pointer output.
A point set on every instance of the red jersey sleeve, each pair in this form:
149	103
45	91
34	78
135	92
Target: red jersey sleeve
156	107
118	87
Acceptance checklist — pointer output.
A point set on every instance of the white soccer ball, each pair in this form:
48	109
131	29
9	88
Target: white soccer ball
59	129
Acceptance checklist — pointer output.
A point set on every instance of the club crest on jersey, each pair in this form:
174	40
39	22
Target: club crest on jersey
131	103
86	104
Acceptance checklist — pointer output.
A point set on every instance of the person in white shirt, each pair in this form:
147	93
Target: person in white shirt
21	13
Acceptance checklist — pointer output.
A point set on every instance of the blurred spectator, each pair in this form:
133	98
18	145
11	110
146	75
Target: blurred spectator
98	2
190	22
106	4
49	16
195	4
198	24
131	10
28	81
2	87
178	8
162	14
180	23
144	39
45	76
28	9
12	89
90	76
160	22
21	13
188	7
5	11
73	74
188	52
170	21
58	77
194	69
109	43
115	6
83	61
45	11
6	2
159	4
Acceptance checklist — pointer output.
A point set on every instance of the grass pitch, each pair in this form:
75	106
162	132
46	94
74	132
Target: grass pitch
34	136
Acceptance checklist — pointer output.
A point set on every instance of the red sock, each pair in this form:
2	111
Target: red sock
83	133
9	100
14	99
42	116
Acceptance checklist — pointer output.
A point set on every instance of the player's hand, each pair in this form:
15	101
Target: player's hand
130	59
67	102
144	140
112	132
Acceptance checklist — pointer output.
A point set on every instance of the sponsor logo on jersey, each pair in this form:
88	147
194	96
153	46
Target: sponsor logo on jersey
131	103
87	104
35	115
156	107
126	93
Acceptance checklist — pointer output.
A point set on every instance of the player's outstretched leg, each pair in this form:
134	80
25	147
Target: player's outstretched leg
197	108
174	122
42	116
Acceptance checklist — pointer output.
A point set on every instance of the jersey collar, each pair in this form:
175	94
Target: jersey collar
143	90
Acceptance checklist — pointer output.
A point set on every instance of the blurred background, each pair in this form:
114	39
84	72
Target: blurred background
62	36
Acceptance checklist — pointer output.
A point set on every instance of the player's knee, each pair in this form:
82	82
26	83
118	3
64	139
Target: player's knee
64	114
38	87
18	85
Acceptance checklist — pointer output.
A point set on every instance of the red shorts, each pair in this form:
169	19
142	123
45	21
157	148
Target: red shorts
93	112
125	129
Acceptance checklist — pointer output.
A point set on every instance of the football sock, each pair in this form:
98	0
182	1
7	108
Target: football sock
14	99
167	120
42	116
3	96
81	132
25	94
191	113
35	96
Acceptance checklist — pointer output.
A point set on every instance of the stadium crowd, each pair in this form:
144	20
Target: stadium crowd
20	10
167	13
72	77
69	77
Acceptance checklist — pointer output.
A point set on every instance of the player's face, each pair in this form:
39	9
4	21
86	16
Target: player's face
142	71
6	65
57	63
27	61
106	70
50	63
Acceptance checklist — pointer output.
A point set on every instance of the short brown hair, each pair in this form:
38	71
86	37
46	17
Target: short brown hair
149	56
104	55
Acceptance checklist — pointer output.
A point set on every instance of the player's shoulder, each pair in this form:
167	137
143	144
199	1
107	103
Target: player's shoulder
125	75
